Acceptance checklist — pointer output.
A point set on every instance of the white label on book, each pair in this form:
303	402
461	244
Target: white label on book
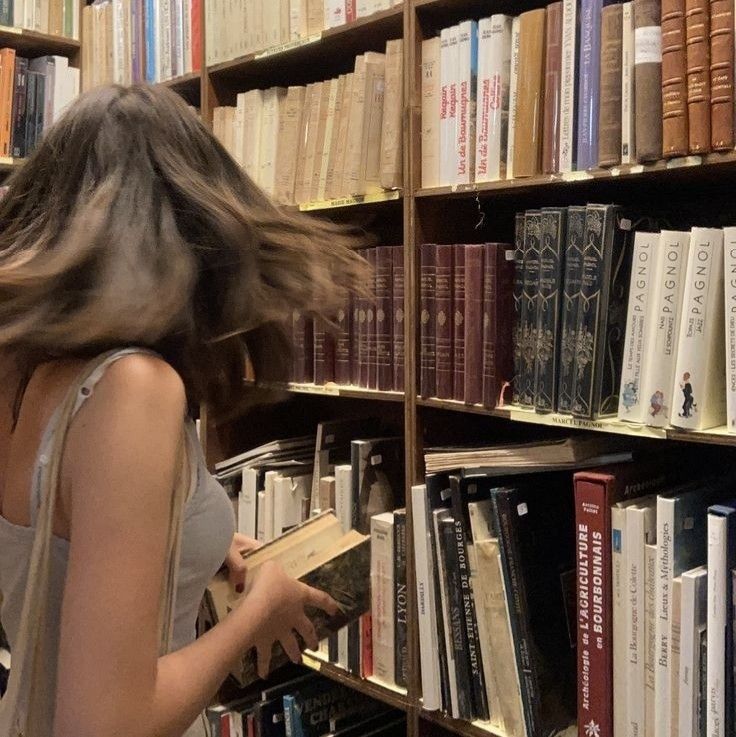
648	45
522	509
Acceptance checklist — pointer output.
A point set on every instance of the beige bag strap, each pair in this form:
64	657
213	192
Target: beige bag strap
19	719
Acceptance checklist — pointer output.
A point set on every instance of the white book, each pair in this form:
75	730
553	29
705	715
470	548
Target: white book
628	147
632	406
253	110
334	13
382	596
669	282
295	19
693	618
650	586
467	72
269	492
248	503
431	112
700	373
164	35
118	42
729	271
718	611
182	13
492	97
187	36
29	14
362	8
329	125
19	13
448	104
675	629
238	133
344	496
289	493
269	135
261	517
641	530
426	600
271	23
568	83
514	75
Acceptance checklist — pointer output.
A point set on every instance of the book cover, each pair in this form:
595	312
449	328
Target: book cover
18	138
457	318
467	52
552	89
513	87
648	79
401	646
529	305
721	74
343	345
445	282
368	356
431	89
397	307
729	268
697	34
674	80
568	84
448	104
588	78
610	106
470	390
693	620
324	353
519	246
628	147
427	320
383	591
384	322
391	163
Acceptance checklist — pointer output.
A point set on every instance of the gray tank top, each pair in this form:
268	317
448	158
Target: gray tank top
208	528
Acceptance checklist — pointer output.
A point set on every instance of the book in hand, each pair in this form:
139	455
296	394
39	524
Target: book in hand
319	555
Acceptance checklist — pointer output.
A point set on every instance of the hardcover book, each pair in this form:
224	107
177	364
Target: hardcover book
588	98
552	80
519	246
568	84
628	122
609	123
697	31
448	261
470	390
457	318
427	321
529	303
466	101
674	80
721	74
648	79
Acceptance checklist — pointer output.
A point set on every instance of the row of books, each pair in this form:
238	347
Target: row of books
140	40
327	140
235	29
304	705
466	308
55	17
367	347
575	86
33	94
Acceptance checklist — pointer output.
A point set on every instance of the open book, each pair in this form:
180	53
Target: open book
318	554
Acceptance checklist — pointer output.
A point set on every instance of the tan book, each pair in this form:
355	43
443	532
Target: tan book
609	116
252	113
369	180
56	17
674	79
273	101
697	30
391	165
326	96
127	42
431	112
301	160
722	74
330	125
109	73
336	189
87	65
310	146
315	16
290	124
284	19
648	79
530	94
351	167
332	153
217	127
239	154
327	492
229	129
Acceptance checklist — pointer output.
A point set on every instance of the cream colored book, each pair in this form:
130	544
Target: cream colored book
330	126
391	166
309	96
431	112
259	32
332	153
273	100
369	180
310	145
238	123
271	23
252	132
336	187
290	124
229	127
326	95
353	145
284	21
315	16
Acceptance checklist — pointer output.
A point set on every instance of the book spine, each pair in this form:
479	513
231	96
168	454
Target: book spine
457	318
343	345
619	544
674	80
31	82
570	306
648	79
150	51
401	652
427	320
19	108
697	30
700	374
650	582
431	98
382	597
466	101
716	628
355	340
631	405
552	76
513	85
551	269
443	323
666	515
721	74
519	245
448	104
627	85
6	13
589	83
484	102
384	319
729	270
529	302
568	84
472	326
448	682
397	306
610	108
365	631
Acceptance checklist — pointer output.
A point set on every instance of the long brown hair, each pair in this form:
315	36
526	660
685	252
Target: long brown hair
131	225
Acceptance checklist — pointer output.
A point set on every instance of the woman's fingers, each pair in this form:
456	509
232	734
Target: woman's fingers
291	648
306	629
263	660
321	600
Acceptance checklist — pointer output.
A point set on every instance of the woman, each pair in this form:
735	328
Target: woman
131	226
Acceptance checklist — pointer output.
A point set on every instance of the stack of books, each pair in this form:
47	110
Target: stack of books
140	41
328	140
367	349
55	17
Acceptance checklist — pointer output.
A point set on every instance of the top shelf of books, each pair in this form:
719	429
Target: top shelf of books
33	43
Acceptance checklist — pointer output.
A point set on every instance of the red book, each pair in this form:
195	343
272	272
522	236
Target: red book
443	321
324	354
343	347
350	11
384	319
427	334
370	327
397	300
355	340
251	724
365	329
458	320
225	724
366	646
498	316
303	349
196	24
472	390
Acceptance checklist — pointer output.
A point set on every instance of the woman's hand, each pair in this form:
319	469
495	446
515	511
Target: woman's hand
280	602
240	545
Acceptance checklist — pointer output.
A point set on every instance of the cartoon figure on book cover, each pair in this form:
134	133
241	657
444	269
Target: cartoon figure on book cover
630	396
656	404
687	390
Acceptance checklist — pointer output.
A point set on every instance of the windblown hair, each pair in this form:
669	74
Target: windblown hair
131	225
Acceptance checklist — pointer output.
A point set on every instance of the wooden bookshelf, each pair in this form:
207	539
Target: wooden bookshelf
37	44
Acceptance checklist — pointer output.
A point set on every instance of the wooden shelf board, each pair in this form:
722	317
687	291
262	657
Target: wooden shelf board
334	390
354	201
717	436
458	726
7	163
193	79
33	42
711	163
397	698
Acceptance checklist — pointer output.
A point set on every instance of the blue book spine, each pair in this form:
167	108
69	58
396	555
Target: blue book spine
292	718
589	70
150	19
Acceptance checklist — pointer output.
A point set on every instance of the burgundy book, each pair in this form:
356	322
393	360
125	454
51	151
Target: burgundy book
370	327
364	306
397	301
498	316
343	348
458	321
443	321
324	353
303	343
384	319
473	326
355	340
427	335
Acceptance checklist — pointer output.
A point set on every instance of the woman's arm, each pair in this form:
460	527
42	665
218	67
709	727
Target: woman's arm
119	472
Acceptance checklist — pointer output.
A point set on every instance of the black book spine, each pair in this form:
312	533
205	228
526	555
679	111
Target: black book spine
6	13
532	238
505	501
401	641
551	270
518	292
570	305
448	538
427	318
31	80
480	699
40	107
18	142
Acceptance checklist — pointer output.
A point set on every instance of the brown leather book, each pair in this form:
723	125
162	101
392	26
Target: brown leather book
721	74
370	325
473	326
384	318
697	30
674	80
529	94
609	115
397	302
343	344
648	79
7	73
444	323
324	353
458	322
552	77
427	334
